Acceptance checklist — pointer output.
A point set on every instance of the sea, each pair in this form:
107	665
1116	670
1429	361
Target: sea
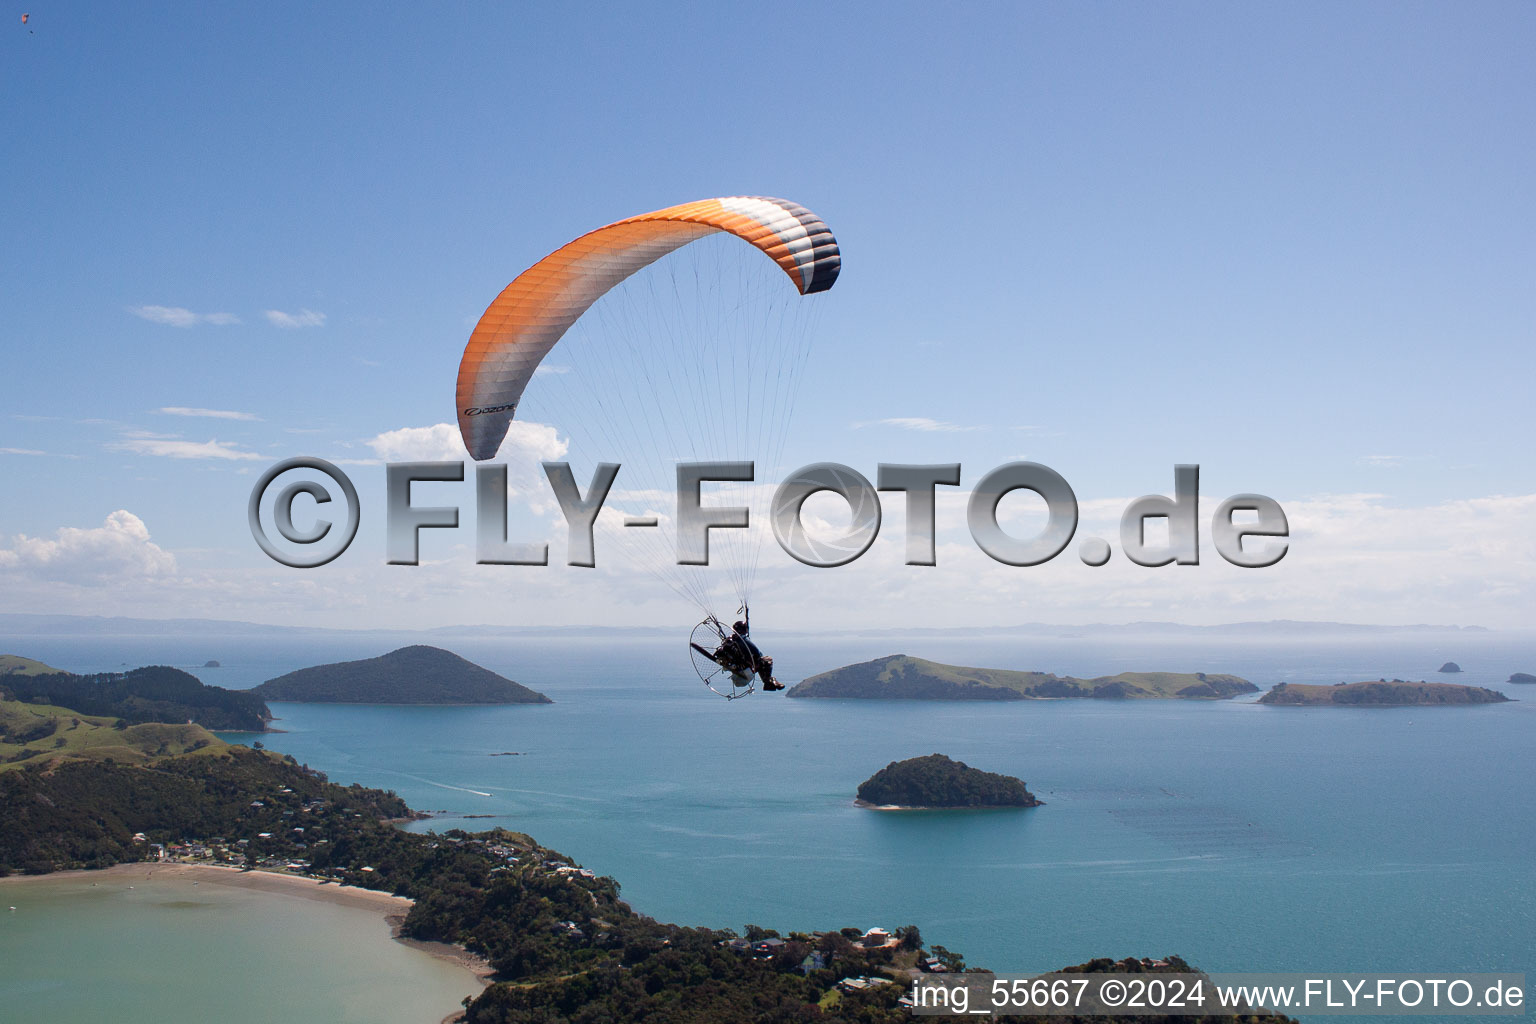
1239	836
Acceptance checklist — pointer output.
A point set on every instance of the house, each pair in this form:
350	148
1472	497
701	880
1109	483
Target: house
861	984
816	960
875	938
765	948
739	946
932	965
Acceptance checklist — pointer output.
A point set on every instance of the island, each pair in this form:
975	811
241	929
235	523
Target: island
410	675
936	781
558	942
1449	666
154	693
211	663
901	677
1522	677
1381	693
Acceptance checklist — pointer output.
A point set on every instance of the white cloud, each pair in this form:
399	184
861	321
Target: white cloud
216	414
21	451
441	442
175	449
119	548
179	316
290	321
542	369
1384	461
922	423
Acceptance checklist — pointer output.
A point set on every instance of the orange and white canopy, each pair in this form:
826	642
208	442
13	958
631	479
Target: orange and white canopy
535	310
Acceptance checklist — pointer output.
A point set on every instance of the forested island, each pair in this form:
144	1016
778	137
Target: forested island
155	693
1522	677
410	675
900	677
564	946
1381	693
936	781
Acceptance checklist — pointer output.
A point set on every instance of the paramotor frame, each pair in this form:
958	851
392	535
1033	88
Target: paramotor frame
726	666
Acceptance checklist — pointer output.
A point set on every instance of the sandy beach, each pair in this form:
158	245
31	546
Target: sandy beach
391	908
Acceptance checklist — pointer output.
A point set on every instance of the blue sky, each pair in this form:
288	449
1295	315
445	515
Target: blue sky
1291	243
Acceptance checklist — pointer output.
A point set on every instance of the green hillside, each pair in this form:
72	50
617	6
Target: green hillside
13	664
35	734
410	675
155	693
900	677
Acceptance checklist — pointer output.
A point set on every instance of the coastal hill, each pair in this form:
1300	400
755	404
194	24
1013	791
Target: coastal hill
40	734
410	675
12	664
1522	677
155	693
938	781
1382	693
900	677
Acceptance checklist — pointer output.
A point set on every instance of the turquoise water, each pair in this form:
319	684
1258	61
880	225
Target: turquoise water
1238	836
167	951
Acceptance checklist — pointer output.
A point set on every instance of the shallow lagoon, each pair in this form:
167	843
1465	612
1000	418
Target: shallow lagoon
85	947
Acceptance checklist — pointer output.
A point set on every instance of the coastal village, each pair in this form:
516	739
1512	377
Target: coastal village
284	849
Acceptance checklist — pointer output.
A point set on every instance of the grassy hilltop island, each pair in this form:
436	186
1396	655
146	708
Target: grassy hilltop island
1382	693
937	781
155	693
900	677
411	675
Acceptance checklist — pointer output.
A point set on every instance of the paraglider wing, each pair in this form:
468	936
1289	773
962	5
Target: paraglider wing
535	310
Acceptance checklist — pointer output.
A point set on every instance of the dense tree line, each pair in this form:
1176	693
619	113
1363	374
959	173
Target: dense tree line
156	693
84	814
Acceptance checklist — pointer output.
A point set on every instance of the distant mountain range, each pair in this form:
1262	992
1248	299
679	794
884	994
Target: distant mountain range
900	677
32	624
410	675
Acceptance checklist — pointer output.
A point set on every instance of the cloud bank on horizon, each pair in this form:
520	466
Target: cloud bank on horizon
1353	558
